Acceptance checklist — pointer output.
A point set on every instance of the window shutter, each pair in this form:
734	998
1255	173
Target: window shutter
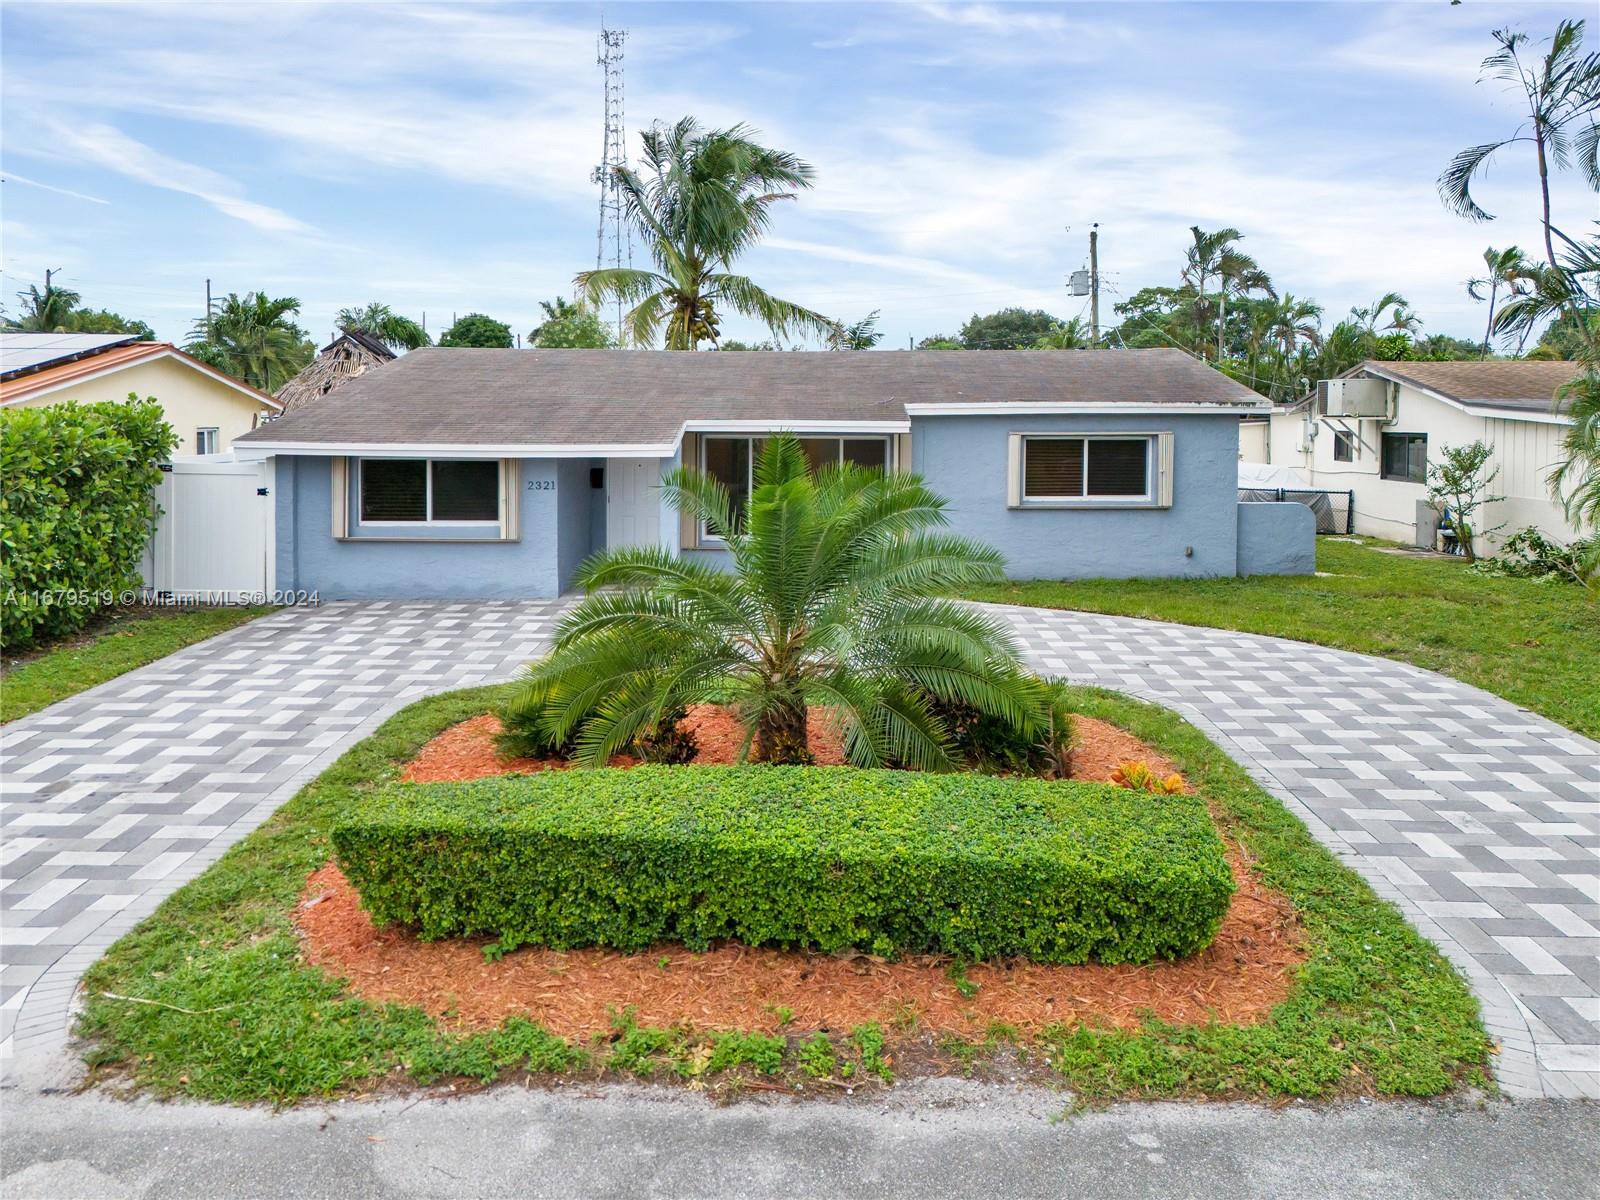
510	500
688	527
1014	470
339	496
1164	469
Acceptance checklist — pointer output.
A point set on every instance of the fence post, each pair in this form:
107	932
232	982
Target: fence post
1350	512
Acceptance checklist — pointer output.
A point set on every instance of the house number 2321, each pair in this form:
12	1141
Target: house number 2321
541	485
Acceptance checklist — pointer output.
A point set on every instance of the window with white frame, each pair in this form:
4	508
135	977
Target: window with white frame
1067	469
732	460
429	491
205	440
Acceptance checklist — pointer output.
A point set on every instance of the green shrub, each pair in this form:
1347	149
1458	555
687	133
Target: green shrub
996	746
669	743
75	511
885	860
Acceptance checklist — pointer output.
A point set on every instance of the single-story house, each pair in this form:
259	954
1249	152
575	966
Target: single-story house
350	354
206	408
1376	429
476	473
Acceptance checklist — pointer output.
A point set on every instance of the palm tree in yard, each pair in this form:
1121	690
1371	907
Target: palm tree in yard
1561	91
1502	269
254	338
703	199
382	322
1393	305
1215	255
835	599
47	311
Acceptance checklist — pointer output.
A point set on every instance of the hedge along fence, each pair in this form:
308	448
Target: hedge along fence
75	511
829	858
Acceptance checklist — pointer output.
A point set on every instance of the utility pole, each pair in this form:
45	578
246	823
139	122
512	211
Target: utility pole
208	310
1094	286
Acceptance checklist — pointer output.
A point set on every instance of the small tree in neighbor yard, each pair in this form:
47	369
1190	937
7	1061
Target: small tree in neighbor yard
478	330
1457	485
835	599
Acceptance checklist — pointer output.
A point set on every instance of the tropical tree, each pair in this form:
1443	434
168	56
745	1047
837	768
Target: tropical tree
835	599
1215	255
103	320
1067	335
254	338
569	326
863	335
1561	90
1008	329
478	330
1507	269
1401	317
44	311
1458	485
382	322
735	344
708	198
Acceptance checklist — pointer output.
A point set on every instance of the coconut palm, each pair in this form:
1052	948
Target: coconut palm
1562	92
47	311
706	197
1506	268
1214	255
835	599
382	322
253	338
863	335
1067	335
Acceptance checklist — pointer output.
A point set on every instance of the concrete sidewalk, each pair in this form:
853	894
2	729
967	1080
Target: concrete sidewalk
922	1140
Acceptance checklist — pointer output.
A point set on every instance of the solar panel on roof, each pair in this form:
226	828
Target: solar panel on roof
29	351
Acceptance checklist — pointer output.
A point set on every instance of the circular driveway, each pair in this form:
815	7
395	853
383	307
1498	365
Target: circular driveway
1479	819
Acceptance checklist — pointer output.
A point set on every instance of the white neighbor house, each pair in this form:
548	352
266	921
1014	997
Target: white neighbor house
1376	428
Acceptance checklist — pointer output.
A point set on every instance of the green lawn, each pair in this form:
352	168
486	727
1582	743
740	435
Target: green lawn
128	638
1536	644
209	997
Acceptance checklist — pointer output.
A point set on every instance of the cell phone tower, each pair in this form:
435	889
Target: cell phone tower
614	243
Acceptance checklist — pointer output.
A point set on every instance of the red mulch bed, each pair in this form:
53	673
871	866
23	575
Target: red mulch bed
1237	979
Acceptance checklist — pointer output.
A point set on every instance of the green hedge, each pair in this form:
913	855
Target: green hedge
889	861
76	510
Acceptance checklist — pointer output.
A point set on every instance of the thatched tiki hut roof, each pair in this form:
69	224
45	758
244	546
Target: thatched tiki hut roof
350	354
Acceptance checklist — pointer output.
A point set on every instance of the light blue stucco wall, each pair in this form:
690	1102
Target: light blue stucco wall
1277	539
965	460
574	517
309	558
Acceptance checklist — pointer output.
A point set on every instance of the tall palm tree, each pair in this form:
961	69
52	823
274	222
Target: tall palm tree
253	338
835	599
382	322
1401	317
1215	255
1296	321
1506	268
47	311
708	198
863	335
1562	92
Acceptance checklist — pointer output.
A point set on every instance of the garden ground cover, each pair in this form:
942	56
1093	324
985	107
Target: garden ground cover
239	1014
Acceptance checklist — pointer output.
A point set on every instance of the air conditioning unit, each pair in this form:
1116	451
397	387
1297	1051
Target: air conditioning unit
1353	397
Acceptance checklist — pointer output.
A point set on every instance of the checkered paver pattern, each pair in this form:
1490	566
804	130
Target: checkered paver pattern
113	798
1480	820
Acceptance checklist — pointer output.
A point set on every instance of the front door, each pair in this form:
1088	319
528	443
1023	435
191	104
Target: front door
633	502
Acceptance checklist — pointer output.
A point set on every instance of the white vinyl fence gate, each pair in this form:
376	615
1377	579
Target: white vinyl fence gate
213	537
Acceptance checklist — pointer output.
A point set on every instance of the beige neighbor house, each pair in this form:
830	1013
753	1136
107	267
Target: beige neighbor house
206	408
1377	428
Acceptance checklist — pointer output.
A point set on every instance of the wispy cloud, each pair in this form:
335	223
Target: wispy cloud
114	150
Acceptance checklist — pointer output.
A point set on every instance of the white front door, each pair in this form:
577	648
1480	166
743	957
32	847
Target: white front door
633	502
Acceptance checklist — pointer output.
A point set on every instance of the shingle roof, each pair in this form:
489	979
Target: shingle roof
462	397
1523	384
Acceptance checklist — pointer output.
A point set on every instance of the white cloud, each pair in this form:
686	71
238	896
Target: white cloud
114	150
13	177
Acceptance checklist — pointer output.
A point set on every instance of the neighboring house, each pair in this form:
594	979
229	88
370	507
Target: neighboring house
206	408
470	473
1377	428
350	354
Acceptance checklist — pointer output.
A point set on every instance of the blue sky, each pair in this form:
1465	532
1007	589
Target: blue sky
436	156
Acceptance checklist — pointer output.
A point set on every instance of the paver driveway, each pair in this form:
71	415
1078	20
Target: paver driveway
1480	820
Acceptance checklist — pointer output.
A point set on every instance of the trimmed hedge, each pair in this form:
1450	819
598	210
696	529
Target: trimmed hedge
76	510
830	858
